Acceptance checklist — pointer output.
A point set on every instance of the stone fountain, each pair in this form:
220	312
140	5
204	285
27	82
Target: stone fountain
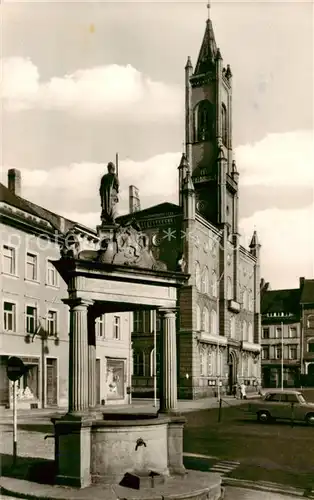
120	455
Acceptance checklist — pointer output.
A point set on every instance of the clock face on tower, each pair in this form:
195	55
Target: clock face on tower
201	206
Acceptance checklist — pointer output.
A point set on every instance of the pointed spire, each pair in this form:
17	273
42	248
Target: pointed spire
184	162
254	241
235	174
221	154
207	54
188	183
188	63
218	54
228	72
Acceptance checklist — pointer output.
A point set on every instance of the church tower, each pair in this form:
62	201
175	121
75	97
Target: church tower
209	135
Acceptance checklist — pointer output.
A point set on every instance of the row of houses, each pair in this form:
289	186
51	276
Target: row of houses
34	321
288	335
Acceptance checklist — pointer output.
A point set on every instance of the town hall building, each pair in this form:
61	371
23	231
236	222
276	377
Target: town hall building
218	331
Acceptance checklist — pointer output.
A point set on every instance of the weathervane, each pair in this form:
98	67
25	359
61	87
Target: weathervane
208	10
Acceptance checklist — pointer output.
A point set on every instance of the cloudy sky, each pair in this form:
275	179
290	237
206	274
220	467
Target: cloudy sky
82	80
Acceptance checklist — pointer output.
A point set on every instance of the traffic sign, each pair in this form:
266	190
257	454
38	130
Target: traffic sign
15	368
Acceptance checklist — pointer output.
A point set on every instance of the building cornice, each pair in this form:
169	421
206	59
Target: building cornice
27	226
15	212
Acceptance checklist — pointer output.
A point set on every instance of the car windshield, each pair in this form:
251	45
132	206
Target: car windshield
302	398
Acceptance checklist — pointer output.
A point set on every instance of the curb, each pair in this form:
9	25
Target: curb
267	487
197	455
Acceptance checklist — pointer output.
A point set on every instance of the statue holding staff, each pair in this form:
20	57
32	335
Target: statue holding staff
108	190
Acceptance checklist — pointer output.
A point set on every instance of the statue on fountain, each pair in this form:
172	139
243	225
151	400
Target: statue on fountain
108	190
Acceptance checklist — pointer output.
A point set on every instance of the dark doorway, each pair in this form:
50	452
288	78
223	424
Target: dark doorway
231	381
52	381
266	378
232	376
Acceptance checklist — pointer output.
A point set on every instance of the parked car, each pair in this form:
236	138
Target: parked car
284	405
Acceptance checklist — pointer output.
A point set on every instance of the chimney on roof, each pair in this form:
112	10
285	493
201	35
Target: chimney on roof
264	286
15	181
134	200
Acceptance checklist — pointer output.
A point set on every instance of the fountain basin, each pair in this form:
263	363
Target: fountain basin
127	443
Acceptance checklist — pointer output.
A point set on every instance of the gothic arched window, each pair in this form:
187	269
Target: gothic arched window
206	280
250	300
198	318
232	327
214	325
244	331
229	288
206	321
224	125
204	121
310	321
214	285
198	276
250	333
210	363
245	299
203	363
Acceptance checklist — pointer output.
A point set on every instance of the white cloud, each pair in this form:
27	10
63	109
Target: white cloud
68	188
287	236
278	160
118	91
20	82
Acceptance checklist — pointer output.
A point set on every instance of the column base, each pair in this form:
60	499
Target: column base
72	449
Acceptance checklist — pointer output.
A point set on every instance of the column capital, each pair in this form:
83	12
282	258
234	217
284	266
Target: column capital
168	311
78	302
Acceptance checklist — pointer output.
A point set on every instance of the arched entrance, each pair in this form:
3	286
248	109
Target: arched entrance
232	374
310	374
310	370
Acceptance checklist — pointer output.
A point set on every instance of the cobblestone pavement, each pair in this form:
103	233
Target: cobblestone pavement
232	493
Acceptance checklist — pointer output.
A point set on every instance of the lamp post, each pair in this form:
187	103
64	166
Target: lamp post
218	334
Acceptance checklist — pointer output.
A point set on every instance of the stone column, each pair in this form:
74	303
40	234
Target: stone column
91	361
168	379
78	356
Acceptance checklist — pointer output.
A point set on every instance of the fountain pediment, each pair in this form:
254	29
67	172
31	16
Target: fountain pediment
120	245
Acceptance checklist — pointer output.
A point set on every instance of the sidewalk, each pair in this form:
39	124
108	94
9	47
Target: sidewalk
139	405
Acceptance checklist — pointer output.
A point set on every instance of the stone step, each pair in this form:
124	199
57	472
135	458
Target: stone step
229	462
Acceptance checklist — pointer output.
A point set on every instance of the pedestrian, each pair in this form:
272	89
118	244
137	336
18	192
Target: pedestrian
243	390
238	391
234	390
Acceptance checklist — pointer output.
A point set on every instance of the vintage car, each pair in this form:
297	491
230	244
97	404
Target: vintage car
284	405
